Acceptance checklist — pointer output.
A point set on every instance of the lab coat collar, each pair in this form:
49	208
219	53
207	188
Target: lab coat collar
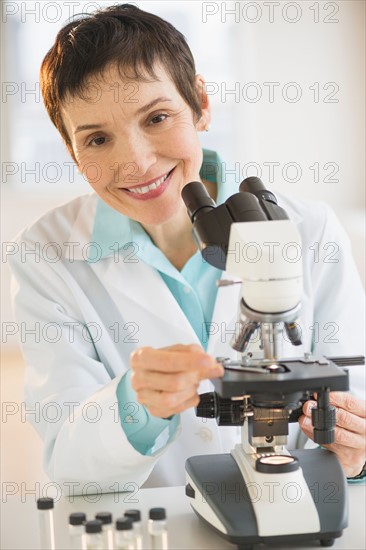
99	231
79	239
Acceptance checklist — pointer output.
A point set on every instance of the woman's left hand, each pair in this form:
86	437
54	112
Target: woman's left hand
350	431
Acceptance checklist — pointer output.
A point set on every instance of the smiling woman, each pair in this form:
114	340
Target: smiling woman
145	108
121	87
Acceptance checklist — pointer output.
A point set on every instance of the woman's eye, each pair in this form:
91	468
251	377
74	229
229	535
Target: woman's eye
97	141
158	118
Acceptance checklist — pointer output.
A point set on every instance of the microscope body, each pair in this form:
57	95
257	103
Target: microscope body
260	492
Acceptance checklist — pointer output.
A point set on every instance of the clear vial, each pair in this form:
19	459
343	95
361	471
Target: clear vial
158	529
135	515
46	525
124	534
107	529
77	531
93	532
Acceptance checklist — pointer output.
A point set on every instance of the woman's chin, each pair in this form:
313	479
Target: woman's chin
153	213
155	221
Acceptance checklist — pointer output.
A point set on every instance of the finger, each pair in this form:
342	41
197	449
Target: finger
344	419
170	361
351	459
184	347
158	381
191	402
349	439
166	402
306	409
175	348
344	451
306	426
342	437
165	413
348	402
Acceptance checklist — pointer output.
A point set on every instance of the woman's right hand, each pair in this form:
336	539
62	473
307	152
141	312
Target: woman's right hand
166	380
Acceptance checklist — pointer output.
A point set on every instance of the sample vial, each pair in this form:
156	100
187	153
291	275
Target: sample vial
135	515
77	531
157	529
46	525
93	532
124	535
107	529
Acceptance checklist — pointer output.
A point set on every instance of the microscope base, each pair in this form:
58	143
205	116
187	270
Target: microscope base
219	496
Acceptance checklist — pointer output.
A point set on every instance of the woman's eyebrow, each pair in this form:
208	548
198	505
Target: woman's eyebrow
88	127
142	109
148	106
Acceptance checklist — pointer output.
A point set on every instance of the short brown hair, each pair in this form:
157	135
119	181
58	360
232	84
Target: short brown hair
132	39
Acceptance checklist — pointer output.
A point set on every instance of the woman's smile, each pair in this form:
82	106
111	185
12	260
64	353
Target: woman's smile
149	190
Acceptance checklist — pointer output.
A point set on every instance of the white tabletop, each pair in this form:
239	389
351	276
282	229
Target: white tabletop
19	520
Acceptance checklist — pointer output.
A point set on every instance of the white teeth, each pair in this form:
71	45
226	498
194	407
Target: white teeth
147	188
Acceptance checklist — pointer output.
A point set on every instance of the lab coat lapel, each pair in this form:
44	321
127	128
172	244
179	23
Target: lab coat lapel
142	284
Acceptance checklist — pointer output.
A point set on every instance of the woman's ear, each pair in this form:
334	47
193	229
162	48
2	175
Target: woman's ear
205	120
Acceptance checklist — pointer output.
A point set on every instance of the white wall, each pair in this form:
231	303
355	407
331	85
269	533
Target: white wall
314	128
231	51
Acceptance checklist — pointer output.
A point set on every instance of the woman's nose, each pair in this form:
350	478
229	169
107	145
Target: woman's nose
139	156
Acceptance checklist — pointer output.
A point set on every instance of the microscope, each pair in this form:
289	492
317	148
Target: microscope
261	492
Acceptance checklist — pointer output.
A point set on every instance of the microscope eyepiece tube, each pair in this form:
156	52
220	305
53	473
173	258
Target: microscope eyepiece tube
197	199
256	187
245	207
252	185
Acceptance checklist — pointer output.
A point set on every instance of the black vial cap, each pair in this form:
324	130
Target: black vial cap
135	515
124	524
77	518
93	526
104	517
157	513
45	503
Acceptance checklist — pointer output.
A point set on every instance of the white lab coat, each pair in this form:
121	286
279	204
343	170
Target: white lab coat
88	447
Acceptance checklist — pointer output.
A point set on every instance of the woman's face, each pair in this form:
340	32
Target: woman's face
136	143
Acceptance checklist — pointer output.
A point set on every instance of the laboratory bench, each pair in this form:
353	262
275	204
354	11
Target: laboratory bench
19	519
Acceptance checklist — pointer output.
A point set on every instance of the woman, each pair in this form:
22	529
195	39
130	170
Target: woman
131	303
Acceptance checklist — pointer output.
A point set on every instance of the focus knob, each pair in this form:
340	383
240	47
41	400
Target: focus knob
324	421
207	407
